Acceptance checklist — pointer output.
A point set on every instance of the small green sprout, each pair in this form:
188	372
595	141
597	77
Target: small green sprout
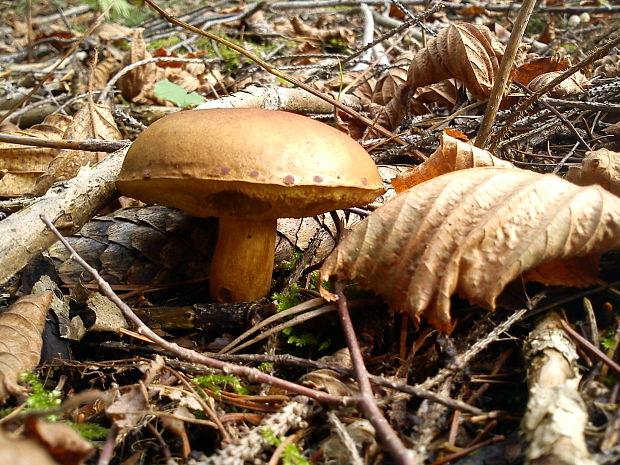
291	455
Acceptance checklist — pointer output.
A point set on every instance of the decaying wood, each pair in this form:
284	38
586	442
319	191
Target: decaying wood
556	416
70	204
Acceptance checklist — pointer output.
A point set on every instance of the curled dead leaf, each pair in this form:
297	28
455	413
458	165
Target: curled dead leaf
62	442
20	340
472	232
24	164
94	121
600	167
467	52
574	85
452	154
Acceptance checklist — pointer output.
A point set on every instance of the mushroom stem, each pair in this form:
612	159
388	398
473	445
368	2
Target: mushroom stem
243	261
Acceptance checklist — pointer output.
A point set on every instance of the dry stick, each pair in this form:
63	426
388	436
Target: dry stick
463	360
589	346
51	71
190	355
560	116
287	359
88	145
367	404
516	114
272	70
497	93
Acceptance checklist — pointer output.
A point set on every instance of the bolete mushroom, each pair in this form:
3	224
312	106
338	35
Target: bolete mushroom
248	167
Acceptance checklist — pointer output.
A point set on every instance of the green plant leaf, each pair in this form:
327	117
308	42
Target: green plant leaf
176	94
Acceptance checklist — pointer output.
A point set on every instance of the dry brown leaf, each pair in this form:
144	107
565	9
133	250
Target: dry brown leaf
324	35
16	451
386	86
137	84
442	92
472	232
534	68
608	66
451	155
103	71
24	164
574	85
61	441
464	51
20	340
467	52
600	167
94	121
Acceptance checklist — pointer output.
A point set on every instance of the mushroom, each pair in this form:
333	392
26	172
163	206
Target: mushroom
248	167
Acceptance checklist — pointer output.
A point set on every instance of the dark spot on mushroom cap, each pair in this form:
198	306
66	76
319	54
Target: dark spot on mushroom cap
364	181
254	173
289	179
224	170
317	179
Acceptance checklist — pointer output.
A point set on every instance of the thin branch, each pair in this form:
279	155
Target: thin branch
589	346
88	145
367	404
503	73
516	114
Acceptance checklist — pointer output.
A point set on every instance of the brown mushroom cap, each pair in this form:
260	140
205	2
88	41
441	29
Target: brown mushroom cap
248	162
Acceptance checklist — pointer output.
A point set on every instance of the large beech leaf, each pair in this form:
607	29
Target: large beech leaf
454	153
472	232
20	340
464	51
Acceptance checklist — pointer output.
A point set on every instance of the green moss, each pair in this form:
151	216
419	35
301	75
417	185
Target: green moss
163	43
90	431
40	397
285	300
218	382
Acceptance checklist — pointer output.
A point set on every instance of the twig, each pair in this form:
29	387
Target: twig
187	354
516	114
286	359
468	450
569	154
272	70
89	145
589	346
73	48
560	116
501	7
462	360
367	404
503	73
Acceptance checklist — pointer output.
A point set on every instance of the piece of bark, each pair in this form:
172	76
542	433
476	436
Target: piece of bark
69	205
556	415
